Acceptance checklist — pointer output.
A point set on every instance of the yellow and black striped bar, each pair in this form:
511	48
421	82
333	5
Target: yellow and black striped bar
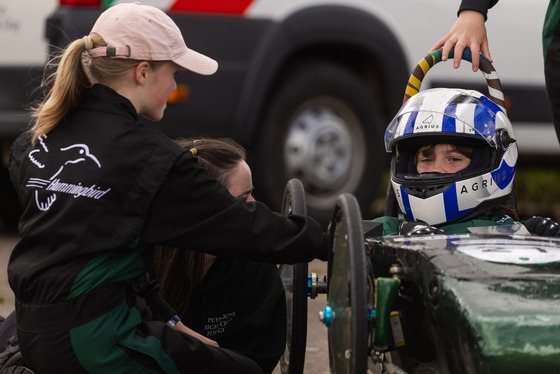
492	80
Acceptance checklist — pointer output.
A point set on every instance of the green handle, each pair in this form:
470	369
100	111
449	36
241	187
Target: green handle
387	289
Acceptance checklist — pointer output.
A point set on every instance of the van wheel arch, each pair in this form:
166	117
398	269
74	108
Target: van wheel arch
325	126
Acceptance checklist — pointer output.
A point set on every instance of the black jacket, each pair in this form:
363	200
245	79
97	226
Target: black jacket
101	187
481	6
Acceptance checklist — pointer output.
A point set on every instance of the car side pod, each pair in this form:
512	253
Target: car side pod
485	302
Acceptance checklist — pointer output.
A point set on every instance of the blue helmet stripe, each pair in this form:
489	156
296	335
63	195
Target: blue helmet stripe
409	128
448	123
503	175
451	205
406	204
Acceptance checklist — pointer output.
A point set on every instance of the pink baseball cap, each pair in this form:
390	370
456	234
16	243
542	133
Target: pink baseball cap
146	33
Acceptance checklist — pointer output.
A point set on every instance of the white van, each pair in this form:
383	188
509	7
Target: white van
307	85
23	53
23	46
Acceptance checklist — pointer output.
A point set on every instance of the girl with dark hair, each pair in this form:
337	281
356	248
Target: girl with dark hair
238	303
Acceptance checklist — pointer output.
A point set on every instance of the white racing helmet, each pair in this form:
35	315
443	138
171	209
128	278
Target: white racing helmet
455	116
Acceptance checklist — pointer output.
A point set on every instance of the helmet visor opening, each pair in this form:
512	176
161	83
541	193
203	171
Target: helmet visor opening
410	151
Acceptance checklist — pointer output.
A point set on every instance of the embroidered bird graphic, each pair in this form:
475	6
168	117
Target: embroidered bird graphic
72	155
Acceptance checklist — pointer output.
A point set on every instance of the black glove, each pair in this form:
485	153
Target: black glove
542	226
411	228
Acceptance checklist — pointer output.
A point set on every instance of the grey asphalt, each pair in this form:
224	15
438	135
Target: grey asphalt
317	348
316	356
7	243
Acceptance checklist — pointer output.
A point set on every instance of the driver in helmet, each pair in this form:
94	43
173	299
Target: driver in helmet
453	161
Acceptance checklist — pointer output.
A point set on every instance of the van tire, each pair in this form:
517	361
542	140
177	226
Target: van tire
324	127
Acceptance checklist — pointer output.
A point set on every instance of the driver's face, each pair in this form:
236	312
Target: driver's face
440	158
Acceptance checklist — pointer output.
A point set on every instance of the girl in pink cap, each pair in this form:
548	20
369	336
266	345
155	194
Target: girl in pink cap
98	188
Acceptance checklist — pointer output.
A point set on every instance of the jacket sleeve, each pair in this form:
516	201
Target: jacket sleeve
481	6
193	211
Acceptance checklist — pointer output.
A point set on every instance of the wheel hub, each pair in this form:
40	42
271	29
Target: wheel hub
319	148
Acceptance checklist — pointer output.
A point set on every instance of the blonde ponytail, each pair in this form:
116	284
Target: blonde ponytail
75	72
68	82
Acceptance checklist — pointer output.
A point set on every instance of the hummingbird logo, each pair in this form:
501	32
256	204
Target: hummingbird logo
68	156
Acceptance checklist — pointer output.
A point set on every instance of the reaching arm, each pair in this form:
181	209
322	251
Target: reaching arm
194	211
469	31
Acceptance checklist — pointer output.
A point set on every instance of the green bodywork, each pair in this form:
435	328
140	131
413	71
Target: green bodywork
471	315
508	329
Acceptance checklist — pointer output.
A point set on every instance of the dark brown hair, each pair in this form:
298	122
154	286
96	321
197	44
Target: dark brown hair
219	156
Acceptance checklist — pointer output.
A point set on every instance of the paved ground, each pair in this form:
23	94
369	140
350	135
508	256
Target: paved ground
7	242
316	360
317	351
